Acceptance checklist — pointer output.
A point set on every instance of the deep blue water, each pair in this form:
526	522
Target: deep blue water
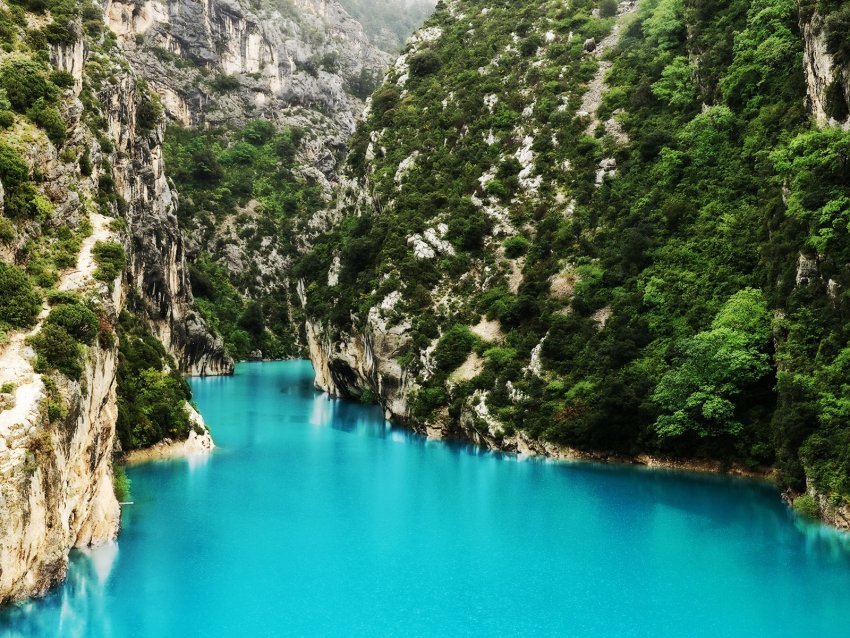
315	517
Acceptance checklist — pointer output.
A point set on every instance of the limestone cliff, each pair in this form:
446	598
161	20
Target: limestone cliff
97	181
157	270
56	444
827	79
223	61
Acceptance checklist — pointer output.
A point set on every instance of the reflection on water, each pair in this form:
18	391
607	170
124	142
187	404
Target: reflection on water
317	517
76	609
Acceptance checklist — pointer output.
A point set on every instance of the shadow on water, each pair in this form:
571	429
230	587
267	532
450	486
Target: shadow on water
691	493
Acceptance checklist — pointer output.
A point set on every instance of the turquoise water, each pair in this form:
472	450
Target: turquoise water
314	517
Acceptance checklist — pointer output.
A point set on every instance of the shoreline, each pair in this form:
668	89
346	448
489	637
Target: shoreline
195	445
521	445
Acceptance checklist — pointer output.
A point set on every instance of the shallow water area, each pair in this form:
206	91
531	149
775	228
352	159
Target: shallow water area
316	517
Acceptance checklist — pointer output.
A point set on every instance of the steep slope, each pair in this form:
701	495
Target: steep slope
266	96
87	223
602	228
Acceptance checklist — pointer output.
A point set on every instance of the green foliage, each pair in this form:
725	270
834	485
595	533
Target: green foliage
661	308
48	118
224	83
607	8
245	178
56	349
807	507
121	483
424	63
25	82
149	111
152	394
110	257
453	347
14	172
7	231
719	365
77	320
21	302
516	246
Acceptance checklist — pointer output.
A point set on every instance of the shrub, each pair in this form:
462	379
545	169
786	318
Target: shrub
7	119
21	301
59	350
120	483
7	231
48	118
148	113
25	82
607	8
224	83
258	132
516	246
836	101
424	63
109	256
58	297
85	163
62	79
13	170
530	45
807	506
453	347
77	320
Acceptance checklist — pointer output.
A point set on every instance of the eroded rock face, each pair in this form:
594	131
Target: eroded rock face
826	82
157	272
56	482
310	56
351	365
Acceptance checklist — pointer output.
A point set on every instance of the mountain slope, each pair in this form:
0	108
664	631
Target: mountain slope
617	228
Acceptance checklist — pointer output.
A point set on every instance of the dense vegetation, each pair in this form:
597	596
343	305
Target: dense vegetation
152	394
241	200
683	252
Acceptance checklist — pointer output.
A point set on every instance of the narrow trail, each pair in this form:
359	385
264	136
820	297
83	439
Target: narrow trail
592	98
16	357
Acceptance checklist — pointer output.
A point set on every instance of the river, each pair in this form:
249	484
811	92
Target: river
316	517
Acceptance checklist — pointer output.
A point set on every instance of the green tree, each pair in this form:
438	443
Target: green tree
699	393
21	301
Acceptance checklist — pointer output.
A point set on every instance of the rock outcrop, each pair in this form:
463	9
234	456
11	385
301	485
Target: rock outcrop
363	364
827	83
56	446
222	61
157	273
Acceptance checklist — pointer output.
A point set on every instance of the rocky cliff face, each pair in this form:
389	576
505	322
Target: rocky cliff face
103	182
57	438
221	61
827	80
157	271
56	474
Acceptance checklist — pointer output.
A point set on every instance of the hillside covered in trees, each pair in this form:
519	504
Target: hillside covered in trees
615	227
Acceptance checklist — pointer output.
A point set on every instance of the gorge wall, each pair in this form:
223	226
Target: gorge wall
557	227
89	230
